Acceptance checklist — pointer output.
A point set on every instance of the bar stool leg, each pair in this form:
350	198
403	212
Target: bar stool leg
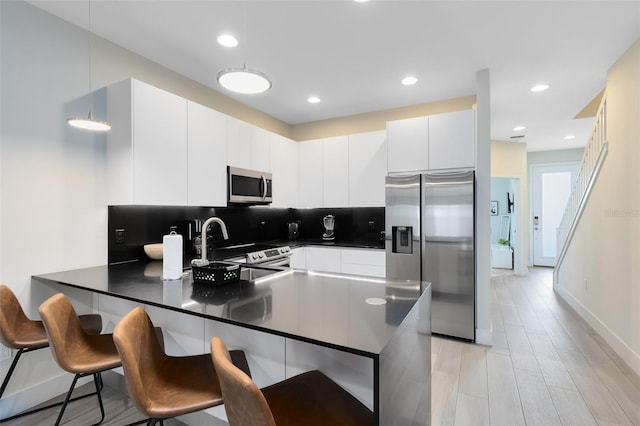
97	380
66	399
5	382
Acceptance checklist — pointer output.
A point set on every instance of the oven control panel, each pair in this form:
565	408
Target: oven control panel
264	256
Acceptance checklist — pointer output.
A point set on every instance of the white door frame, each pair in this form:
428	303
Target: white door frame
532	167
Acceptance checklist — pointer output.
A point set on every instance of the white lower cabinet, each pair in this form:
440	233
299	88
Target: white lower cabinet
354	261
323	259
368	262
298	259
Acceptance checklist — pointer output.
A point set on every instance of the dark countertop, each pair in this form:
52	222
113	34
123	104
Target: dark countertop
325	309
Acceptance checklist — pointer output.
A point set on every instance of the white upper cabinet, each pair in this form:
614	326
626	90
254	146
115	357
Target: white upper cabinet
207	153
434	142
367	169
335	172
408	145
238	143
285	170
310	163
247	146
147	146
452	140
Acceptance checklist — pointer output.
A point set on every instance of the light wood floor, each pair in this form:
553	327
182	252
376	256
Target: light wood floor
547	366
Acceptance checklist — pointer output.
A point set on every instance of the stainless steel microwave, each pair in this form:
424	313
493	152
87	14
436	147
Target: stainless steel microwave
249	186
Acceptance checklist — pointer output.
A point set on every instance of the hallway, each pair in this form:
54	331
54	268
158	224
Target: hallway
547	366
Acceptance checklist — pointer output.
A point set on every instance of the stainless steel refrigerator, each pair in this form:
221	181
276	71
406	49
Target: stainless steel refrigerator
429	236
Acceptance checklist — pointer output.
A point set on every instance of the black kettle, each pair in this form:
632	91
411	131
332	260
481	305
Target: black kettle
293	230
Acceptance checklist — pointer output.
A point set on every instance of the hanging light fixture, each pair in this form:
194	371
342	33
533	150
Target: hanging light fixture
244	80
88	123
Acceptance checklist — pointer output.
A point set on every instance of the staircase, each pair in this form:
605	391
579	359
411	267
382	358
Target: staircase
594	155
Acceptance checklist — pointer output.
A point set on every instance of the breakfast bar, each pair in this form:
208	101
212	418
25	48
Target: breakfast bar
370	335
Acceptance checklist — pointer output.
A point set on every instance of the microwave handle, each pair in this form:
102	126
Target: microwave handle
264	187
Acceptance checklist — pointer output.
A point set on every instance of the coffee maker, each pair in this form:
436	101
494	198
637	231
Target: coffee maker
329	222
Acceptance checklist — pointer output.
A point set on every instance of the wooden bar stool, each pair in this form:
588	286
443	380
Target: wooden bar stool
24	335
75	350
163	386
308	399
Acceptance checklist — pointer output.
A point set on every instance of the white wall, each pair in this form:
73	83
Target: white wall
605	250
483	194
509	160
53	211
557	156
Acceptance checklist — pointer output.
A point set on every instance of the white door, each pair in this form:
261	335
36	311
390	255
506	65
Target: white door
551	186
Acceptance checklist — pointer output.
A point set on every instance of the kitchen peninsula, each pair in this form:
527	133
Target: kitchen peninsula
370	335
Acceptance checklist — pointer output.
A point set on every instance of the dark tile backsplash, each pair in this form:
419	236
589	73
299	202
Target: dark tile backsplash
147	224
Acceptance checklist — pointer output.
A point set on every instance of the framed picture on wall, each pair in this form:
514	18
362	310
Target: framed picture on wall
494	208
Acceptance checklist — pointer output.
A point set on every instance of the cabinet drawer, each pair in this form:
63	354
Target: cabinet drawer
364	257
366	270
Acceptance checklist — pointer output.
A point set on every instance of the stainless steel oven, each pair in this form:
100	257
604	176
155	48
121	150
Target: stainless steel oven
249	186
273	256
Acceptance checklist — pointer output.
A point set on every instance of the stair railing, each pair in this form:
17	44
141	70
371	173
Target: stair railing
594	154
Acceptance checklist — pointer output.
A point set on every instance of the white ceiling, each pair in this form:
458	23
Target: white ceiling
353	55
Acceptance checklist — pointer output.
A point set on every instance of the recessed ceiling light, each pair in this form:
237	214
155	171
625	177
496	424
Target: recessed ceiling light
227	40
539	87
570	137
361	1
313	99
409	80
518	128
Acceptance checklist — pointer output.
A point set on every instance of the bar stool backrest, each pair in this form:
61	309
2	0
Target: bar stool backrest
12	318
244	403
67	338
142	356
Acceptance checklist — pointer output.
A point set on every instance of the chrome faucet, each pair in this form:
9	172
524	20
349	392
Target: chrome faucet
203	261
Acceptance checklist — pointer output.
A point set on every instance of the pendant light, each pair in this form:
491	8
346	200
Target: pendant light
88	123
244	80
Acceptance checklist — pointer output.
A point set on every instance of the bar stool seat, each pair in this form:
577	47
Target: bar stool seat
163	386
75	350
19	332
309	399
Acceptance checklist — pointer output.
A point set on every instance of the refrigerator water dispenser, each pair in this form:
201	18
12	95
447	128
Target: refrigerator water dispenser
402	241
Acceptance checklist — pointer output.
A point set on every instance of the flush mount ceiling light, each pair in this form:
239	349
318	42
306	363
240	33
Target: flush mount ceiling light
539	87
227	40
409	80
313	99
570	137
244	80
518	128
88	123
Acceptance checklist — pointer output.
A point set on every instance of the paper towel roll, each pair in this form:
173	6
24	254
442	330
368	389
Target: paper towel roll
172	256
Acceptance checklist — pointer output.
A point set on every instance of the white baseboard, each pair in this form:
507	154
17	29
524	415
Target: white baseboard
618	345
484	337
29	397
